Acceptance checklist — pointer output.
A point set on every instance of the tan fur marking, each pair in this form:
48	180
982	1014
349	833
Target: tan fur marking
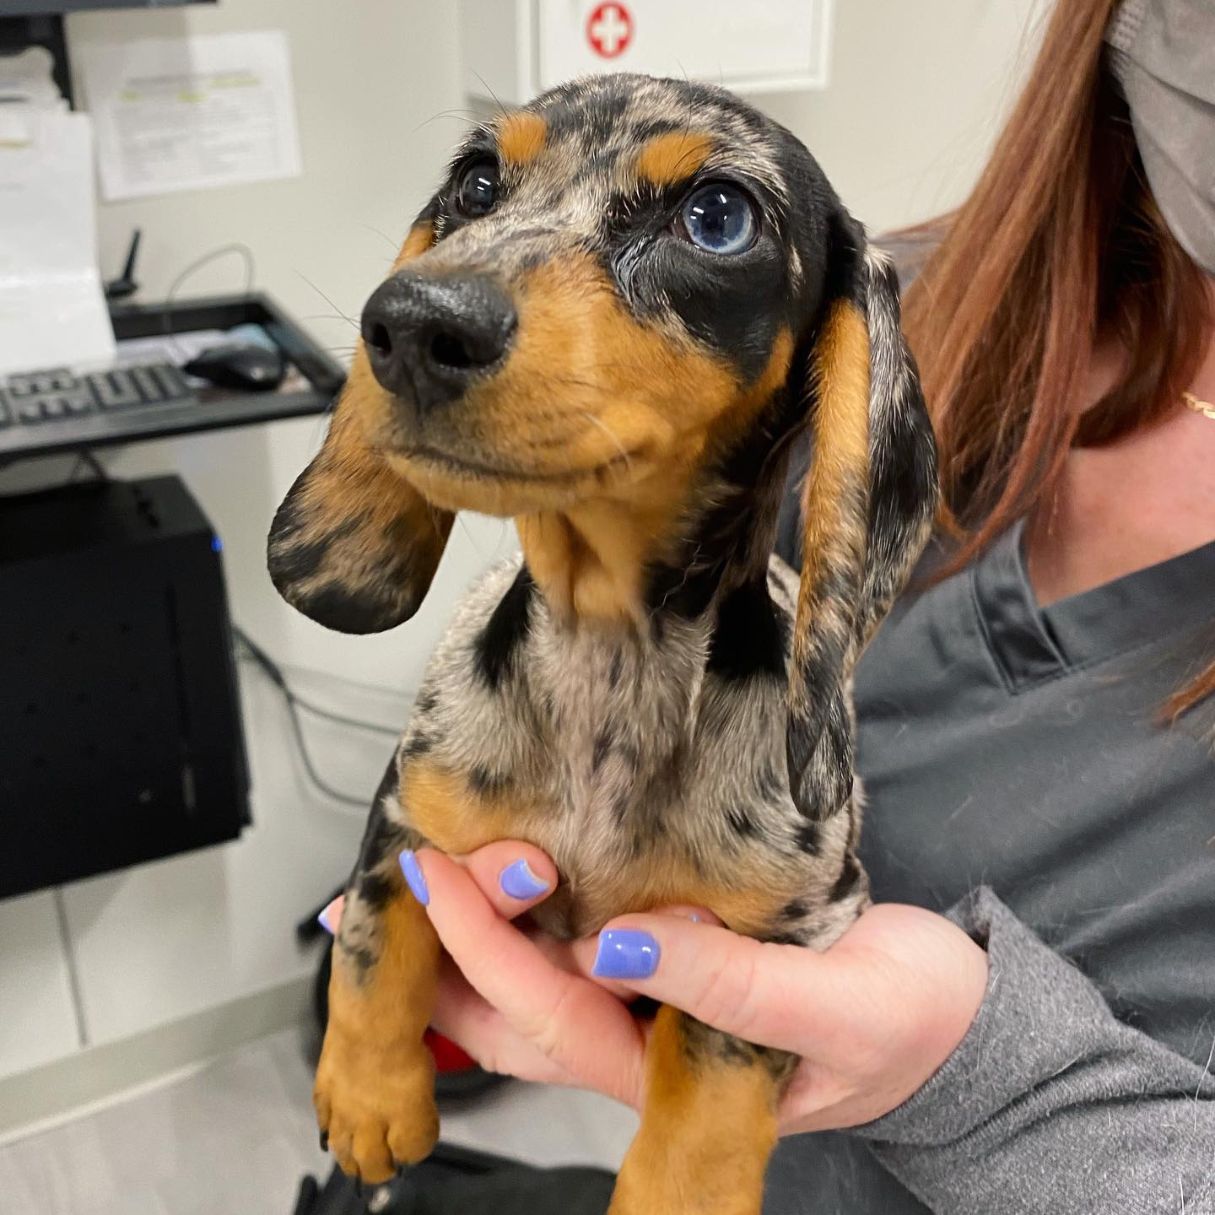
672	157
421	237
521	137
628	412
439	804
707	1130
748	899
374	1091
841	459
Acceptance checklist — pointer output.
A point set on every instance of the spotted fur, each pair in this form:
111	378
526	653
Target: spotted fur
646	693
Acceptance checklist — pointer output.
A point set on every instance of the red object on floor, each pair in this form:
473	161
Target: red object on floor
448	1056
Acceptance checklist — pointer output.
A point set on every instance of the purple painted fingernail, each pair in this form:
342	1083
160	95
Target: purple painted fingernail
414	876
519	881
625	953
326	918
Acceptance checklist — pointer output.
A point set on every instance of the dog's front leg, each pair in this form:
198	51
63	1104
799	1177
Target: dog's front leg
374	1091
708	1125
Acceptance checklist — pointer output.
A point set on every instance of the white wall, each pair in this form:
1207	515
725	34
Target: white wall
901	132
910	114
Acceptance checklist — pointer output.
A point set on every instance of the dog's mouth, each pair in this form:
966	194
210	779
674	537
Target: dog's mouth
461	467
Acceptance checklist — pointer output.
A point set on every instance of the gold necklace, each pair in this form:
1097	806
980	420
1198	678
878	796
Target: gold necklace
1203	407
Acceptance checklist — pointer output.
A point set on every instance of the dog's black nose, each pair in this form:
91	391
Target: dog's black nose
428	338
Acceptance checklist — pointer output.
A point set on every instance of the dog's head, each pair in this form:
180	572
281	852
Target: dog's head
607	323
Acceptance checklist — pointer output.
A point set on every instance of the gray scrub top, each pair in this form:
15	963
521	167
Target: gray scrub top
1018	747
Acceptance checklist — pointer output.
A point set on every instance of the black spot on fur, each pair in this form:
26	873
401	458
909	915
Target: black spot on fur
419	744
360	956
642	132
752	635
771	785
703	1044
733	1050
783	938
847	880
808	838
496	646
427	699
374	890
295	562
603	745
616	671
367	610
485	783
742	822
795	909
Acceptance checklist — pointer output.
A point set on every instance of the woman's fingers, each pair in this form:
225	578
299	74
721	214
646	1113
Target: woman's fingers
760	992
513	876
331	918
584	1030
463	1016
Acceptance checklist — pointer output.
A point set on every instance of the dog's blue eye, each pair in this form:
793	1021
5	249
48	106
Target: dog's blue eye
720	218
477	192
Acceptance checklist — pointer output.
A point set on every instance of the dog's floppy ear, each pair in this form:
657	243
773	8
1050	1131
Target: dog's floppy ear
354	546
868	503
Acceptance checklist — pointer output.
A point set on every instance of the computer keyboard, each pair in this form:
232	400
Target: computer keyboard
34	398
146	396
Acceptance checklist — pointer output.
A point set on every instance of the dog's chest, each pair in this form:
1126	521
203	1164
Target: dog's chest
622	716
647	775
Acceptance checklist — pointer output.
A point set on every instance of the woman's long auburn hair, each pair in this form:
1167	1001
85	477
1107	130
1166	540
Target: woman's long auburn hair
1060	242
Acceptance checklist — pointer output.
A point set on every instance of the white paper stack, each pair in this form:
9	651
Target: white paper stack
52	305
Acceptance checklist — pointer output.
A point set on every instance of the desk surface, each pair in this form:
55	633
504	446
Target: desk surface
313	380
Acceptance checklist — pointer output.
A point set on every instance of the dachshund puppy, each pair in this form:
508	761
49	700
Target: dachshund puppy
623	304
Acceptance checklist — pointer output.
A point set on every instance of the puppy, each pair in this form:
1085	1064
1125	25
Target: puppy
624	302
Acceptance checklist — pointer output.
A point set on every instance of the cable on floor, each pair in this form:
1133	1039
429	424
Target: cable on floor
295	703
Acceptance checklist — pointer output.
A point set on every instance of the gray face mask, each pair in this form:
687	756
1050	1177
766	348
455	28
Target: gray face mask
1163	55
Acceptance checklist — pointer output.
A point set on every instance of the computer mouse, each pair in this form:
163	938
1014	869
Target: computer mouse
244	366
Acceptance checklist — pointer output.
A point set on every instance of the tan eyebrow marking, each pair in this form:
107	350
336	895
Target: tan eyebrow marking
672	157
521	137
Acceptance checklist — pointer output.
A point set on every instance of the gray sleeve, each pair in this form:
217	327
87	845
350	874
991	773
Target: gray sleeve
1050	1103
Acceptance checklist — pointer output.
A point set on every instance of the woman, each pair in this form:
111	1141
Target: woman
1035	721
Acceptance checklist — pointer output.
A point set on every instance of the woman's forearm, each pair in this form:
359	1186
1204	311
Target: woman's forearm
1050	1104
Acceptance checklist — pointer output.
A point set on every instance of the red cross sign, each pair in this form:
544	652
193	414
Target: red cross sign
609	29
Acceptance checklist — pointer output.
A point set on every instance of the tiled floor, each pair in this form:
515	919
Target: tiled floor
235	1138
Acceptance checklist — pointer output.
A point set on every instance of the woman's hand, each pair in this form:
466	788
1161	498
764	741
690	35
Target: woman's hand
873	1017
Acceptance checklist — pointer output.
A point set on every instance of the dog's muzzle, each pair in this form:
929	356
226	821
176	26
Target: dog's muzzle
428	339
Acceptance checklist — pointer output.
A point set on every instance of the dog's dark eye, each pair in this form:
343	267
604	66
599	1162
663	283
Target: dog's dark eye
720	218
477	192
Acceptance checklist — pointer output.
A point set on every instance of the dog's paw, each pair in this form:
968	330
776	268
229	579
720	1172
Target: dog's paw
375	1105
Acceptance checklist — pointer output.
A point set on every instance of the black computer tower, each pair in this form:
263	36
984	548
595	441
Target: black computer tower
120	731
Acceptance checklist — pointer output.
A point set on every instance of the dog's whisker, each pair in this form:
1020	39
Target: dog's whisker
464	117
380	232
611	434
497	101
341	315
